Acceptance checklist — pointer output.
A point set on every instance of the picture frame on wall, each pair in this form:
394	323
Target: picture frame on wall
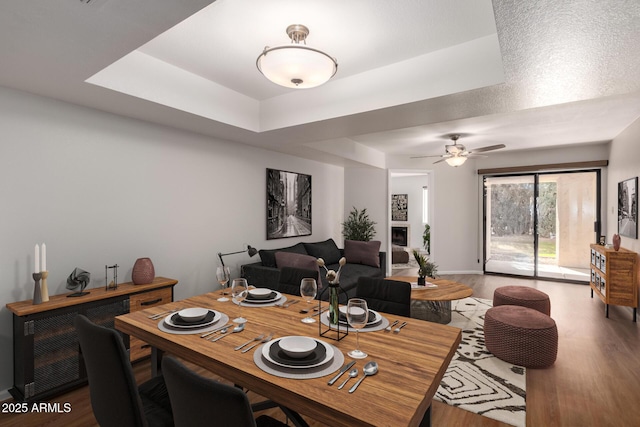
399	207
288	204
628	208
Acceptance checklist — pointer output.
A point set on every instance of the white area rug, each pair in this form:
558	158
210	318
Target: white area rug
476	380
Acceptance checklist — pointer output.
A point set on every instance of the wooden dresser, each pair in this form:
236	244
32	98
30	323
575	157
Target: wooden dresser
614	277
46	353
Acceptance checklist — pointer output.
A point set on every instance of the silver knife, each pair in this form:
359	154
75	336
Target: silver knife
344	369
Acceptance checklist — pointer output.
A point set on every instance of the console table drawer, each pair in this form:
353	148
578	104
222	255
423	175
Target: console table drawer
150	299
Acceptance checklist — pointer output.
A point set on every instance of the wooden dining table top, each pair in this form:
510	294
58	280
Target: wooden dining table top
411	363
447	290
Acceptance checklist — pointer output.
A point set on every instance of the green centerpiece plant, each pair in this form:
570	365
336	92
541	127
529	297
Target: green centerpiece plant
426	268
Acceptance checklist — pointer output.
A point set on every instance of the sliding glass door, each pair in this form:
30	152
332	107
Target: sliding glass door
509	225
540	224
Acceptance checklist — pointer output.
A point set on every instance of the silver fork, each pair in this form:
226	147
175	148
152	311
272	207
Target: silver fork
388	328
258	338
264	340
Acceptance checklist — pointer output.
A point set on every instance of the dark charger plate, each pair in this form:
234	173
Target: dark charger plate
251	298
177	320
316	356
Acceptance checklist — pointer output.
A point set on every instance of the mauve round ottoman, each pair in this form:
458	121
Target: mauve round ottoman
523	296
521	335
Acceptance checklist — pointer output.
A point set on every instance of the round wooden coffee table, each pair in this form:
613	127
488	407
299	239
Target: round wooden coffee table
434	304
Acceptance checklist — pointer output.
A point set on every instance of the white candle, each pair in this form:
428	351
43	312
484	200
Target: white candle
44	257
37	260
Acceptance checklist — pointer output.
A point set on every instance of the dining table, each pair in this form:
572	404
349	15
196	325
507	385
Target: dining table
411	362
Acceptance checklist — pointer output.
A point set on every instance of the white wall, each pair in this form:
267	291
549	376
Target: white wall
623	164
367	188
102	189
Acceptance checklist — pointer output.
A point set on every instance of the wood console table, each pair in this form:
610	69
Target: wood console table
46	354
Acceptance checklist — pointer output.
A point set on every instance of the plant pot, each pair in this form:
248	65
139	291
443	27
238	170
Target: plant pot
421	281
143	271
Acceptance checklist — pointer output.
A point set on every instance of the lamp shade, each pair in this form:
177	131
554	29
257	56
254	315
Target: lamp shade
456	161
296	66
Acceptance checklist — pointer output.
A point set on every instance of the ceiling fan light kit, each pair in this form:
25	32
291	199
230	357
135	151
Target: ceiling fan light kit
296	65
456	161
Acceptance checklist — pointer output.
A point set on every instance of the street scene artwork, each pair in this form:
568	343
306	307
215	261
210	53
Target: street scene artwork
628	208
288	204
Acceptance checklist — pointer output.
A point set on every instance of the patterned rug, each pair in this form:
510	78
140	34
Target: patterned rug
476	380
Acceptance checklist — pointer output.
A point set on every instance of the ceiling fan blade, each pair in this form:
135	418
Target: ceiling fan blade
489	148
422	157
439	161
475	156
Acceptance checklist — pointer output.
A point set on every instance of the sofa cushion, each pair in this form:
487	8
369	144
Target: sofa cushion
268	256
327	250
290	259
366	253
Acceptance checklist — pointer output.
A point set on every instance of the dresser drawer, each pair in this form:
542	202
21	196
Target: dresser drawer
150	299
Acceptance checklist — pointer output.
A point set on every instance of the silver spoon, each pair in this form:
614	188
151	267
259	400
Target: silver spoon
238	328
352	374
370	368
388	328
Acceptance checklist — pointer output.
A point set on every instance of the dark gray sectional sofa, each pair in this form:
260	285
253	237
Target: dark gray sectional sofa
363	259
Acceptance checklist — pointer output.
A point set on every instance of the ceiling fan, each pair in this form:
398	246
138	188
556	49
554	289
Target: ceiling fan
456	154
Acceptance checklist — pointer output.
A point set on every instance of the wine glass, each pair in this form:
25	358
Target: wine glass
223	274
239	290
357	316
308	290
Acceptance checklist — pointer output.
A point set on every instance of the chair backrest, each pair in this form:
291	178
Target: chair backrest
199	401
112	386
389	296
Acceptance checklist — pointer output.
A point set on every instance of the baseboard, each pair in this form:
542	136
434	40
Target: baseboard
5	395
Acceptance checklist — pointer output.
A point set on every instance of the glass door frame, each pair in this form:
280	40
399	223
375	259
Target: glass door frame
596	227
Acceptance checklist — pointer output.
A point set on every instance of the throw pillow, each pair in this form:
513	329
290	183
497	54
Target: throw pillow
366	253
268	256
327	250
289	259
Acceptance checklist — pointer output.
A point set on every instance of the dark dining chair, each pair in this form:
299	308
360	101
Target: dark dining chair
115	397
388	296
198	401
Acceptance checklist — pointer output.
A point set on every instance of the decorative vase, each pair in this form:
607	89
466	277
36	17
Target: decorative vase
421	281
37	295
143	271
334	311
616	242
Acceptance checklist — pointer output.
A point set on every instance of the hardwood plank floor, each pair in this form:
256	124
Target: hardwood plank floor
594	382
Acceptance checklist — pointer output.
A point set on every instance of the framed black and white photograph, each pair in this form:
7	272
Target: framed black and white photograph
628	208
399	203
288	204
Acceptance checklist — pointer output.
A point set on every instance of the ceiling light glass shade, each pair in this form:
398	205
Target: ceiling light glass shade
296	66
456	161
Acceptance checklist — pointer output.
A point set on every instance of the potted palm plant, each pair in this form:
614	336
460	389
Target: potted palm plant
426	268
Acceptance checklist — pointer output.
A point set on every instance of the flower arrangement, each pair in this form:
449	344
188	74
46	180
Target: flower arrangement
333	278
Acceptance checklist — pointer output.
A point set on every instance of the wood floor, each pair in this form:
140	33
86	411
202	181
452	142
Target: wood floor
594	382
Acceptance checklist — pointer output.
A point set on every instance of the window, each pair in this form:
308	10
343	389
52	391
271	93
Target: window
425	204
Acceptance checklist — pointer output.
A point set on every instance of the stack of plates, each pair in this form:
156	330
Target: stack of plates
262	296
297	352
374	317
192	318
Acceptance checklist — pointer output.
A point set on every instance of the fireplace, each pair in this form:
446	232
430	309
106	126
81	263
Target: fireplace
400	236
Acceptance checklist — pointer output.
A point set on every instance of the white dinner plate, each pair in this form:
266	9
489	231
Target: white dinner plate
328	356
168	321
263	301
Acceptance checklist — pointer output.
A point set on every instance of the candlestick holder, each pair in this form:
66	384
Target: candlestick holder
37	295
114	282
44	291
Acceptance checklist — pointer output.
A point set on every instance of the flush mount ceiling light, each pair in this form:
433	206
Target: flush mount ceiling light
296	65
